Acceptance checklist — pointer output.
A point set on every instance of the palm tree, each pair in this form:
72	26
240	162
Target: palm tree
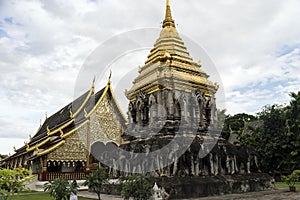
95	180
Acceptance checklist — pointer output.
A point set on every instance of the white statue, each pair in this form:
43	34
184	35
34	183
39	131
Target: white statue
159	193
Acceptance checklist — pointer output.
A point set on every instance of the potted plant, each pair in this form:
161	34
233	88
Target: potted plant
290	181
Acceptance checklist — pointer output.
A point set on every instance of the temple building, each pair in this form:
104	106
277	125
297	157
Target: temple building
61	146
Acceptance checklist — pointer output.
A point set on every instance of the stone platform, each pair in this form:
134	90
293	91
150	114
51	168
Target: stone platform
193	187
202	186
276	194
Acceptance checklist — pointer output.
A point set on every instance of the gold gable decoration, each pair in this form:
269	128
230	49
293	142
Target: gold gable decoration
105	126
72	150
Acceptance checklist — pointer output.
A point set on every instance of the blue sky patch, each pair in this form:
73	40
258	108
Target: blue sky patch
269	85
11	21
286	49
8	20
3	33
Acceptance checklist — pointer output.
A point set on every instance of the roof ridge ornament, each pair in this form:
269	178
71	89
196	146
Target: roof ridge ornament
71	114
168	21
48	130
85	113
110	73
93	83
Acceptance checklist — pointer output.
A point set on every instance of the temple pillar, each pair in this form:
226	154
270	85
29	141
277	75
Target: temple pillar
152	110
159	102
248	165
235	164
170	103
211	163
43	162
192	165
202	101
175	167
216	165
138	114
228	167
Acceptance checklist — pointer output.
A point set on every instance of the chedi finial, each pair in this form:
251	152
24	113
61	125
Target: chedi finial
168	18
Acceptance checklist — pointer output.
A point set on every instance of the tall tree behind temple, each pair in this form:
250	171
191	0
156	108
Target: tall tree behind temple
293	130
270	140
276	139
235	124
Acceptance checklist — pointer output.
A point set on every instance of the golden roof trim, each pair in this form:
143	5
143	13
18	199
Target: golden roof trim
86	100
108	87
99	101
117	104
63	136
60	128
72	115
51	149
28	149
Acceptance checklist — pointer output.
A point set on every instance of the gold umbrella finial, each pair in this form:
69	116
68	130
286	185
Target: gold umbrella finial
168	2
168	19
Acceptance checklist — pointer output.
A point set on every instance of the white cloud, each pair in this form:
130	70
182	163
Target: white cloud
254	44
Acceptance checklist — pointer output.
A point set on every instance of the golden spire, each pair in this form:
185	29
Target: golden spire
168	19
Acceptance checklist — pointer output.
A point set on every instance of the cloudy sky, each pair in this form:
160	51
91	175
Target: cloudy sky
255	46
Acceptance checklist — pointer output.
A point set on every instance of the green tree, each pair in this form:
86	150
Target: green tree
271	140
276	139
235	124
13	182
293	131
60	189
96	179
138	187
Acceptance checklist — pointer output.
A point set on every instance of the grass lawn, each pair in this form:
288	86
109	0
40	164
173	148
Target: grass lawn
39	196
284	185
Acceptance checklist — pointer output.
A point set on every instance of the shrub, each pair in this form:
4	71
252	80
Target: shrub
12	182
60	189
138	187
95	180
290	179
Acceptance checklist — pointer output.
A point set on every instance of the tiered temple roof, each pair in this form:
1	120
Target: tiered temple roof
56	129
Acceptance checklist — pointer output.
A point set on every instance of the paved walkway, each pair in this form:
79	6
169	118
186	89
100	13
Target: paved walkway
281	194
91	195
